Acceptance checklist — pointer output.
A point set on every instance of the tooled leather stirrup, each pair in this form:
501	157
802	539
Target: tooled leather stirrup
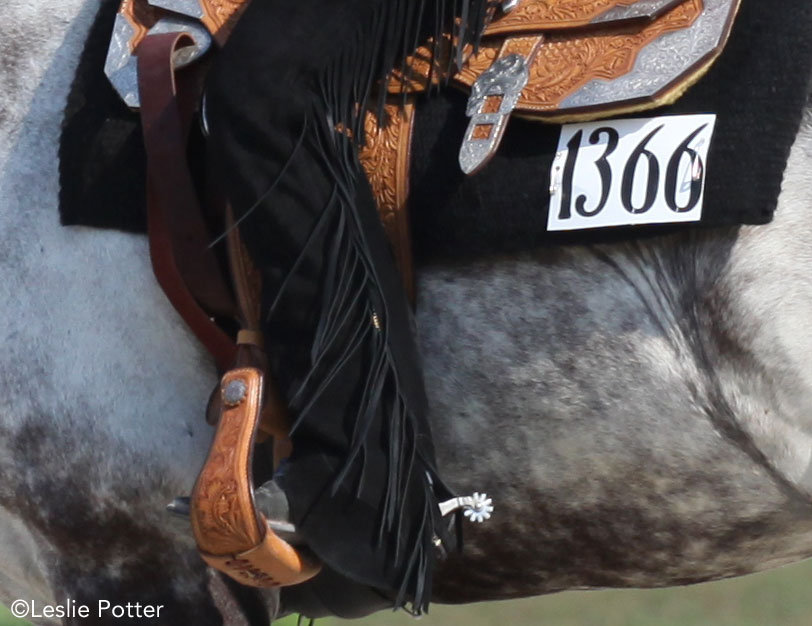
232	536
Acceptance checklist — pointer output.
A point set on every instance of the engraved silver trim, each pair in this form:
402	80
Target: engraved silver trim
662	62
121	66
506	78
640	9
190	8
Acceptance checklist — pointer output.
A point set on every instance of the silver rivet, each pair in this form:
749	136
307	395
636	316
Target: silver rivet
234	392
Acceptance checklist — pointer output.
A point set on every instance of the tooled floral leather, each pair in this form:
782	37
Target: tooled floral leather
231	535
567	62
220	16
385	159
140	16
428	62
223	515
528	16
272	563
537	15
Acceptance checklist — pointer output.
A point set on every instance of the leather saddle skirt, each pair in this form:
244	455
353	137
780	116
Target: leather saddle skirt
556	60
574	60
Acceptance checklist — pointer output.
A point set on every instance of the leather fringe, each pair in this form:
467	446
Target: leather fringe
358	304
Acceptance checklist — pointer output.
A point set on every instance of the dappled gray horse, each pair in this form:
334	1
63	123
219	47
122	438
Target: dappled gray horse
640	412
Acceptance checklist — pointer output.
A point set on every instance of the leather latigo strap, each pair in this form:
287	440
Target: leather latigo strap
182	261
232	536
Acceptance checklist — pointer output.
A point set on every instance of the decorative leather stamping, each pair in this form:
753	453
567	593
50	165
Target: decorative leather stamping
493	98
231	534
385	158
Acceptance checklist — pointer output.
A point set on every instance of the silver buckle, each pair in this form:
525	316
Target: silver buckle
504	79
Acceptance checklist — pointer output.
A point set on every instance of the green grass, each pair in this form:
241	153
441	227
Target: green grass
778	598
6	619
781	597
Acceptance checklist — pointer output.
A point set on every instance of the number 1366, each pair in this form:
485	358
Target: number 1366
676	201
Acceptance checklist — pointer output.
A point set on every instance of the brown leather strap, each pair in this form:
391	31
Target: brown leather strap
246	279
232	536
184	265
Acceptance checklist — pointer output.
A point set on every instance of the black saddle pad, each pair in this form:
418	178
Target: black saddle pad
758	89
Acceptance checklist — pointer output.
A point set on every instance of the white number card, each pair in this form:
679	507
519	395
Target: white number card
629	172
